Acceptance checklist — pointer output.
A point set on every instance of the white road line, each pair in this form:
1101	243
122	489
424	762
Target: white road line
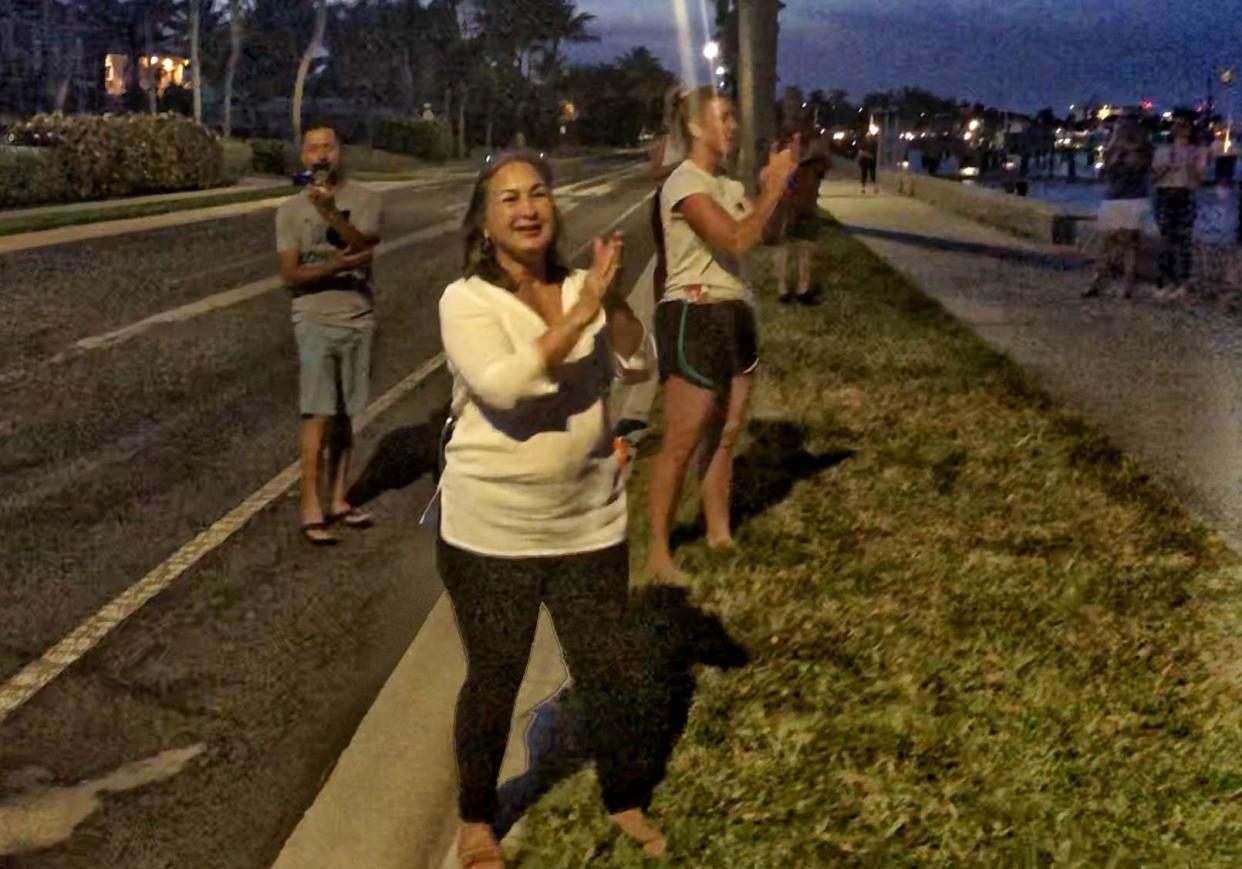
245	293
40	673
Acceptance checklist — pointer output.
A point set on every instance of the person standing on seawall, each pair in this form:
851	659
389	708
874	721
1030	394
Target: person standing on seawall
1178	170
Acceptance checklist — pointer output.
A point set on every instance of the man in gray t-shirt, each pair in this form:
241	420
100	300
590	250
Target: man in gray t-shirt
325	239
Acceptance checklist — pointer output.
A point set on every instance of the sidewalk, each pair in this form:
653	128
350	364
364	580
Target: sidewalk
1162	383
243	186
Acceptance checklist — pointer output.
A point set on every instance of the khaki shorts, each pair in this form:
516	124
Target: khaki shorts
334	365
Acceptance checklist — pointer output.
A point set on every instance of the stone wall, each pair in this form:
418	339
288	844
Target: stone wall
1018	214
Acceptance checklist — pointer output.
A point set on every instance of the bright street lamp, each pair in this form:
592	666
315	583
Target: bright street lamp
711	51
720	70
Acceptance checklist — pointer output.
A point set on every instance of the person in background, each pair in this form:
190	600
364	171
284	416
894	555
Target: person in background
1127	168
669	151
325	240
868	151
532	495
1216	243
1178	171
705	324
799	213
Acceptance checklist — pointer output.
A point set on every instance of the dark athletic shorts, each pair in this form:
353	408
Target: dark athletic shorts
707	345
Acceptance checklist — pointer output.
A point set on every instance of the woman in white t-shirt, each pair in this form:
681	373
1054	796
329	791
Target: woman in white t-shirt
705	323
532	495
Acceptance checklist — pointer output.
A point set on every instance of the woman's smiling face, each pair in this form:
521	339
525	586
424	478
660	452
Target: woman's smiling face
521	219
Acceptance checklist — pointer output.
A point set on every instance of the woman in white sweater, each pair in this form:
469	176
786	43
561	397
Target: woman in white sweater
533	507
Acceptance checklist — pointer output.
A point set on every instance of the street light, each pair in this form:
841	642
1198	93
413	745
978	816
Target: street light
974	124
720	70
712	50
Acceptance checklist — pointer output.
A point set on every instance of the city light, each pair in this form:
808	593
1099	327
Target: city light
838	136
968	135
974	124
711	51
873	130
720	70
970	171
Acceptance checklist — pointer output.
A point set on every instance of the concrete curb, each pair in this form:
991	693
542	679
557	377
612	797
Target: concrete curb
391	799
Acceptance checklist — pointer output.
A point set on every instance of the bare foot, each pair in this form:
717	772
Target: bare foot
721	544
635	824
662	568
477	848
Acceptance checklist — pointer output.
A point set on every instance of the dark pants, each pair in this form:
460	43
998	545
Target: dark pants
866	168
496	601
1175	215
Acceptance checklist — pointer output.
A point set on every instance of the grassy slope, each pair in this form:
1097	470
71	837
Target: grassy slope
983	638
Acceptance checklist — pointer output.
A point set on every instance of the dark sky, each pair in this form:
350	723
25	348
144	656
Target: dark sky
1018	54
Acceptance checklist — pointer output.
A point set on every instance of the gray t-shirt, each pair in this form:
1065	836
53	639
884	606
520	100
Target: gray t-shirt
343	299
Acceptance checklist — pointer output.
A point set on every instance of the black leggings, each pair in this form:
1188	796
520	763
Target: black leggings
866	168
1175	215
496	601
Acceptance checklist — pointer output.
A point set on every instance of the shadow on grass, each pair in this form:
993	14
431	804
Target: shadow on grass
765	474
665	637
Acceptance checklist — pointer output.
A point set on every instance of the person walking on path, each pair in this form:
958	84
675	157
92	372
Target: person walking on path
799	214
325	240
705	323
868	154
532	495
1178	171
668	153
1127	168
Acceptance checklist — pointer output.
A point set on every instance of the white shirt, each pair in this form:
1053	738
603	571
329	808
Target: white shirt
531	468
691	260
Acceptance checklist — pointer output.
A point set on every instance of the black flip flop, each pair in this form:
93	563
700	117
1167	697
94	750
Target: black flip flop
351	518
308	527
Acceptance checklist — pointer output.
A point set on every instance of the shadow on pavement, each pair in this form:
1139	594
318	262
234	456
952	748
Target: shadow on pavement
401	457
1057	262
666	636
764	475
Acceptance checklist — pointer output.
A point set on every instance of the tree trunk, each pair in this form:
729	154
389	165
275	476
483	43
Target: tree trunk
235	39
757	39
148	45
196	76
463	149
299	85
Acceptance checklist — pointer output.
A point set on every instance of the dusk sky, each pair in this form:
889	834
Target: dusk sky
1018	54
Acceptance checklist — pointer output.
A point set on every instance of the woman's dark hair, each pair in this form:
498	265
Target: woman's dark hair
480	254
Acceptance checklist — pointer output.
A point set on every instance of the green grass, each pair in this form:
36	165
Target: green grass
55	220
986	638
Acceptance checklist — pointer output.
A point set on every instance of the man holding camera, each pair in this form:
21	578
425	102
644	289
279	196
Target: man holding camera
325	239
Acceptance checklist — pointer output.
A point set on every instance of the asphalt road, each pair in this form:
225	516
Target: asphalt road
267	652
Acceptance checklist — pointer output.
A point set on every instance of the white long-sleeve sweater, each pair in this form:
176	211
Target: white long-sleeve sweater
531	468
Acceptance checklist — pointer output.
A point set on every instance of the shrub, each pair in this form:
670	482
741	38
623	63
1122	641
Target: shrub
426	140
273	157
238	159
84	157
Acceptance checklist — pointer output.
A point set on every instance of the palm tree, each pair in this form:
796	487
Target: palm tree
237	26
312	50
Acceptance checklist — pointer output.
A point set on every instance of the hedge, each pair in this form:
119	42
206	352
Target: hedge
69	158
273	157
427	140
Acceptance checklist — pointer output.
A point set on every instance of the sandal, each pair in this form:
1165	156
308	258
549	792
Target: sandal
309	527
481	853
351	518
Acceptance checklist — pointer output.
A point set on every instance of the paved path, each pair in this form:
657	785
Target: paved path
1162	383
